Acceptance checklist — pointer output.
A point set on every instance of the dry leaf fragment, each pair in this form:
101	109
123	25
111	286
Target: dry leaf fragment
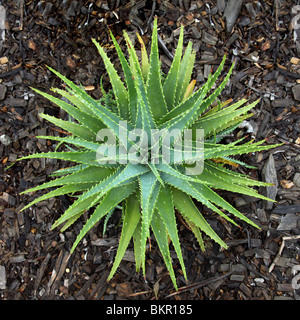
286	184
3	60
124	289
266	46
156	289
31	45
295	60
70	63
89	88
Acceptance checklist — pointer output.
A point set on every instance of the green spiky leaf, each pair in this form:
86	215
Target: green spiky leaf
128	149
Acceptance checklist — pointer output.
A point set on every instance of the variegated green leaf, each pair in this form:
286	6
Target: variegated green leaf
183	107
131	219
120	91
195	191
77	129
132	94
162	239
137	240
88	175
89	121
111	199
71	221
170	84
110	119
74	100
68	170
149	189
84	157
166	212
187	208
229	175
222	119
154	86
118	178
219	201
58	192
145	59
184	73
147	118
197	232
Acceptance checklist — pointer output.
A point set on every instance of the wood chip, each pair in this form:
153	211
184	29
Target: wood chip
124	289
287	209
3	60
237	277
295	60
2	278
296	179
270	175
40	273
70	63
289	222
31	45
231	13
11	200
247	291
266	45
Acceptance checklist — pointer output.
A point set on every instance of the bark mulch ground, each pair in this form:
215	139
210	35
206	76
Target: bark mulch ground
259	264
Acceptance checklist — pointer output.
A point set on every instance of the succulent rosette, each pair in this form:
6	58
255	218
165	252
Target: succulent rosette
143	113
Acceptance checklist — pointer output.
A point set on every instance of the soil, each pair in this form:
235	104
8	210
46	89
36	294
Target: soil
261	36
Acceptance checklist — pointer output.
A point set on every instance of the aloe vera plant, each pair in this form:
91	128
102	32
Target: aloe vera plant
150	190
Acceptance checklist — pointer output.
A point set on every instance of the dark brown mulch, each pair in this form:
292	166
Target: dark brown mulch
259	264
